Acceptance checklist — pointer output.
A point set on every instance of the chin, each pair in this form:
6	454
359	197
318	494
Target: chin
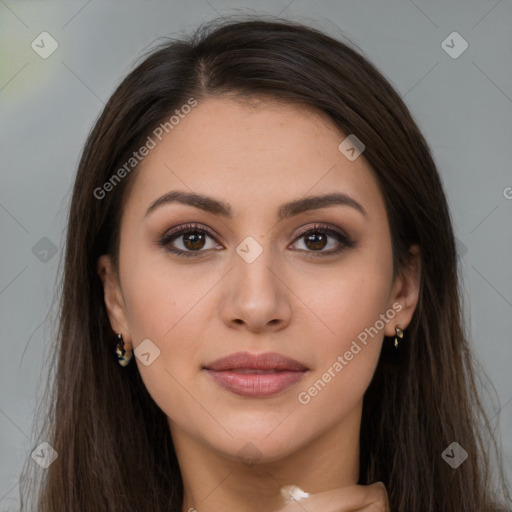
266	444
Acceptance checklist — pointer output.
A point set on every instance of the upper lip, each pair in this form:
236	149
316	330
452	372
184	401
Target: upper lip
264	361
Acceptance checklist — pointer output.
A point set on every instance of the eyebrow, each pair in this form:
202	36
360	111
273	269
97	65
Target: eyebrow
287	210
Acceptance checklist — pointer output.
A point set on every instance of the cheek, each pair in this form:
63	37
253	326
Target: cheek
335	391
345	301
171	308
171	313
346	360
171	316
161	297
352	304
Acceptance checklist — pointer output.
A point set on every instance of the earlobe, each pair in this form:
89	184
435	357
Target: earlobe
112	294
406	290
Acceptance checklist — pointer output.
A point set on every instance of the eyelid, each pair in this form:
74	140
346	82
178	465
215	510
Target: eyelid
318	226
343	239
183	229
176	232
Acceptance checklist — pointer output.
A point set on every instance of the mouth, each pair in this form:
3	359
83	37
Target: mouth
256	375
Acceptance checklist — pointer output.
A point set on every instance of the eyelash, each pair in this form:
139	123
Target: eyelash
169	237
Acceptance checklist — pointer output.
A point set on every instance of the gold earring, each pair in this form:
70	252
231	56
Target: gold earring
399	334
124	353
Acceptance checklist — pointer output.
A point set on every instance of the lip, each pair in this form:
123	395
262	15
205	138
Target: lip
256	375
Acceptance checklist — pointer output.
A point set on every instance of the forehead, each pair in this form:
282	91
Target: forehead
253	153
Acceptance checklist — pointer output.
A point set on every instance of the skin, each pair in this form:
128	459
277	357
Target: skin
256	157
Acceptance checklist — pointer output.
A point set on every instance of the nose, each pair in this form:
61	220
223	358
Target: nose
256	297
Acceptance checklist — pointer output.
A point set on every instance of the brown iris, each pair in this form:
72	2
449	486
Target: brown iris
315	241
194	240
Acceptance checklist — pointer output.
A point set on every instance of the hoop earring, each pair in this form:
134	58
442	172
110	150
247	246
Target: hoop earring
399	334
124	353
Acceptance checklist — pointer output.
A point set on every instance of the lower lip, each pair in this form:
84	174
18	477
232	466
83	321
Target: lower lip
256	385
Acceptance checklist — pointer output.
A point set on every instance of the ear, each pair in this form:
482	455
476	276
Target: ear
112	295
405	291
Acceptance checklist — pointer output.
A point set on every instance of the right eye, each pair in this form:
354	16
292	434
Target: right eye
193	240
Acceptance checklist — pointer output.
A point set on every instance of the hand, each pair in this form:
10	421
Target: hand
355	498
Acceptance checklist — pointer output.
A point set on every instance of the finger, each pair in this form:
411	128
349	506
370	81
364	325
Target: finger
355	498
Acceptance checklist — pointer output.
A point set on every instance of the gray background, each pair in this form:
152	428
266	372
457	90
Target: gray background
463	106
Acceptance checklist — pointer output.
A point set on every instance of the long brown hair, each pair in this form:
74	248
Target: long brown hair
114	444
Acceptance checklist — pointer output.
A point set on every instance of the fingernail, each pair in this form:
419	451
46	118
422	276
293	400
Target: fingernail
292	493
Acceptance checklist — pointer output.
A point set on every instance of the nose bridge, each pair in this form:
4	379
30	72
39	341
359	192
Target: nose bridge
254	263
257	297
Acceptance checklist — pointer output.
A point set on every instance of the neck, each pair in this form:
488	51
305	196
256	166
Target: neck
214	481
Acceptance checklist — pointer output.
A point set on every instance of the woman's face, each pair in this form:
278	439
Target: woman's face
254	279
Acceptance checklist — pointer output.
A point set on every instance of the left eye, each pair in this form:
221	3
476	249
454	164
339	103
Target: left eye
317	239
193	241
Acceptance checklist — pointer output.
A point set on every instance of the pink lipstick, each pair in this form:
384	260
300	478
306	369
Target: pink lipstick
256	375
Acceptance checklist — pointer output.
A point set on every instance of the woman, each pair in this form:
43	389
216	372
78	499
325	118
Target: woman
260	304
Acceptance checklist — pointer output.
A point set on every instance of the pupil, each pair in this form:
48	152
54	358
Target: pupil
313	241
317	240
194	240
